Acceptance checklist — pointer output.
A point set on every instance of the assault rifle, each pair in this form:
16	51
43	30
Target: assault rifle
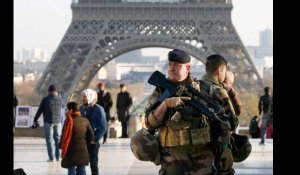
200	101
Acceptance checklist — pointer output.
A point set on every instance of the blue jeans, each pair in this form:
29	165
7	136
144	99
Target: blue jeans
264	124
52	130
93	150
80	170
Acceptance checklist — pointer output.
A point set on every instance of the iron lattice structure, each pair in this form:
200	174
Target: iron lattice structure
104	29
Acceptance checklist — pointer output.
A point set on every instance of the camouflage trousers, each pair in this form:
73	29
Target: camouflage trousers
228	172
187	163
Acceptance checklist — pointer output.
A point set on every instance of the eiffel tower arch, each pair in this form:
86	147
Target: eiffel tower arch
101	30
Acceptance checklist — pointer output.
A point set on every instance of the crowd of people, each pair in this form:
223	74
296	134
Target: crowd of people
189	139
77	143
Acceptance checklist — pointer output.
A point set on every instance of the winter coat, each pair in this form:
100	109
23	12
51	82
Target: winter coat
105	100
97	118
124	102
264	104
77	153
50	106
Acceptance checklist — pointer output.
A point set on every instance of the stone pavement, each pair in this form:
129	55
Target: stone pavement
115	158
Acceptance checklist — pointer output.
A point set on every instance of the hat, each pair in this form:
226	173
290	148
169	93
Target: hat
91	95
52	88
101	84
217	57
179	56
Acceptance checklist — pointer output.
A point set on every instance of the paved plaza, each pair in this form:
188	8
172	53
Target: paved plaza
115	158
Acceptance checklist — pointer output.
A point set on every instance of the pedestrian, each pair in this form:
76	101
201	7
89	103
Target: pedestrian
254	130
232	93
124	102
96	116
264	108
77	131
183	137
16	102
105	100
51	106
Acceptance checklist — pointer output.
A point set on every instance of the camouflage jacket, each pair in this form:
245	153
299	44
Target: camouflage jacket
178	128
214	88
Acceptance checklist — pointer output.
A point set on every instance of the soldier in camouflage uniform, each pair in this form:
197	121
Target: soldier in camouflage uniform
184	136
216	66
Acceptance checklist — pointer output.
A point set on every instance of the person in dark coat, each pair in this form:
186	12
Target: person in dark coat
104	100
76	132
16	102
124	102
264	108
51	106
254	128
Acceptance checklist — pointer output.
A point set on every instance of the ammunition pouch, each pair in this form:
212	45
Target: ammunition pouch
184	137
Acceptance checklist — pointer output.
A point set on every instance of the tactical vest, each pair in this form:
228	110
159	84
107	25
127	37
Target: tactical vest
221	95
185	128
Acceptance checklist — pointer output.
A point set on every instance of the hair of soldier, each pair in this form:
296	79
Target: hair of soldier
212	65
267	89
73	105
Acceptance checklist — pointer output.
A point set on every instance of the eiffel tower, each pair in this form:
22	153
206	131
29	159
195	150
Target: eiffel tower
101	30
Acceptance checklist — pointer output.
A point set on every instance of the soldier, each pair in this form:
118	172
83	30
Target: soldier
216	67
183	136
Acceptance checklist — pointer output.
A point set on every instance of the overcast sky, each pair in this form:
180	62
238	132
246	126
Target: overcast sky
43	23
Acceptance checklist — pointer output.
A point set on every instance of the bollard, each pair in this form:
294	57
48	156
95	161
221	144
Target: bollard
135	124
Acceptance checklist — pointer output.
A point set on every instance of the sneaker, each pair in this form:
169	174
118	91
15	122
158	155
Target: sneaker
49	160
58	159
261	143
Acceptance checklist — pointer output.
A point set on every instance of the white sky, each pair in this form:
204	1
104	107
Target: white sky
43	23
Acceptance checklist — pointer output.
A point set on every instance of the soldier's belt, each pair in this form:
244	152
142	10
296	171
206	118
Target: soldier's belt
184	149
199	136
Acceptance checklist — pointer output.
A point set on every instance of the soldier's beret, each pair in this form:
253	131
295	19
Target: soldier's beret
179	56
217	57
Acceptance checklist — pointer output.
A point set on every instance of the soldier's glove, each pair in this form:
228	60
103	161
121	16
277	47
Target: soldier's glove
173	102
226	159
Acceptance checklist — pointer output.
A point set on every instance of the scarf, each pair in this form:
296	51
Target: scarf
67	133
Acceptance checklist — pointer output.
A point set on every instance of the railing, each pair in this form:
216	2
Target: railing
74	2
